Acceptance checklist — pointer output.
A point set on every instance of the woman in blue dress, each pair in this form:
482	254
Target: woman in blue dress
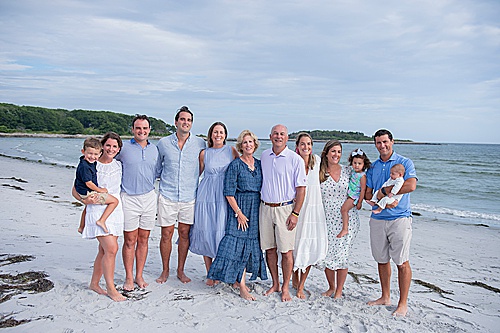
210	209
239	251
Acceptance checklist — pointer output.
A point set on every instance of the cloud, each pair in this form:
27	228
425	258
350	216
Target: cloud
346	65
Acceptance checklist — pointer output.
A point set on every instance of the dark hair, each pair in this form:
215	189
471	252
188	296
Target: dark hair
92	142
360	154
310	164
140	117
324	160
113	136
381	132
183	109
211	130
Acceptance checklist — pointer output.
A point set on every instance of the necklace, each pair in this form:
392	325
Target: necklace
250	163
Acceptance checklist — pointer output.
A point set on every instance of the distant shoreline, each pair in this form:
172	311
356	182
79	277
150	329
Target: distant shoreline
83	136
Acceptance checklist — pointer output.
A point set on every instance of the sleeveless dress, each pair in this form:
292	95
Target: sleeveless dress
311	238
210	209
108	176
334	194
241	249
355	186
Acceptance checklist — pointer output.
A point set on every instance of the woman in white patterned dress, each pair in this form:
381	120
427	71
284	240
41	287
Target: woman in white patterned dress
334	180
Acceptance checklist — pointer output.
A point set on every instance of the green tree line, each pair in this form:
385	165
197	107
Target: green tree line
334	135
15	118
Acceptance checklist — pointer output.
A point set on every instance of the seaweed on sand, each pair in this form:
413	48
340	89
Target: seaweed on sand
479	284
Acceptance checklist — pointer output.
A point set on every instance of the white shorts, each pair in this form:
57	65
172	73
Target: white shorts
390	239
170	212
139	211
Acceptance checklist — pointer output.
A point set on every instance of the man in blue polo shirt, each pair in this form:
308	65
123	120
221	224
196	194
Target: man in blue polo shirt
180	169
139	162
390	230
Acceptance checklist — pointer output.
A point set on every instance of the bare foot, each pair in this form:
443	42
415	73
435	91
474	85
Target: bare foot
246	295
116	296
210	282
128	285
236	285
273	289
98	289
337	295
328	293
102	224
380	301
300	294
183	278
141	283
400	311
163	277
285	295
377	211
371	203
342	233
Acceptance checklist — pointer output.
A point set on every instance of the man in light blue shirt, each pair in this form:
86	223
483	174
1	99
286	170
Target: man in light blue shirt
390	230
139	159
180	170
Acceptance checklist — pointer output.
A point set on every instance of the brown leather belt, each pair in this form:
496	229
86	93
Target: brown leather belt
277	204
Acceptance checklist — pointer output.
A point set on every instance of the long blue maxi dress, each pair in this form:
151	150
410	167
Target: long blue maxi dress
241	249
210	210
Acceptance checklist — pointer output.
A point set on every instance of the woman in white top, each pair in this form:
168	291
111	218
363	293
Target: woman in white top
109	175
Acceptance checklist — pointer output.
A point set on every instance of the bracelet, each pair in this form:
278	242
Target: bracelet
383	191
294	213
236	214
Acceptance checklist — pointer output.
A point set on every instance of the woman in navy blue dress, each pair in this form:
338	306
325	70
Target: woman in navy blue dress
239	251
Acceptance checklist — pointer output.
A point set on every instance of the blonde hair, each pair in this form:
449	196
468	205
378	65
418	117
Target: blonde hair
240	138
323	173
310	164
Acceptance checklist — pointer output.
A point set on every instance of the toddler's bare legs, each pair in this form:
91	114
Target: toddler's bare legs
82	221
111	203
344	210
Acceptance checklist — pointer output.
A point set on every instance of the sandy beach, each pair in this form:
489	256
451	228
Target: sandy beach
455	288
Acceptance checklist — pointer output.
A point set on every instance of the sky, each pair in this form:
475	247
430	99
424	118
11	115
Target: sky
427	70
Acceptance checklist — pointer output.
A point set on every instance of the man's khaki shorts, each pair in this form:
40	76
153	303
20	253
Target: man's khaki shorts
273	229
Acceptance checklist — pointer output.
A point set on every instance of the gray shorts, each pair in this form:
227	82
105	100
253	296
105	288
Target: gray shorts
390	239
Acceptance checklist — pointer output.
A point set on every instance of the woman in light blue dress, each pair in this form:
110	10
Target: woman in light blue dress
210	210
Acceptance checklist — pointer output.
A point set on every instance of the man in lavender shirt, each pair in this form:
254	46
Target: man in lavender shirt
283	190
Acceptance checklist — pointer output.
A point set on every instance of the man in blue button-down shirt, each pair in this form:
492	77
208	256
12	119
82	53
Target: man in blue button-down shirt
180	171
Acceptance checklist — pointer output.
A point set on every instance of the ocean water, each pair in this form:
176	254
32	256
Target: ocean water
456	182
